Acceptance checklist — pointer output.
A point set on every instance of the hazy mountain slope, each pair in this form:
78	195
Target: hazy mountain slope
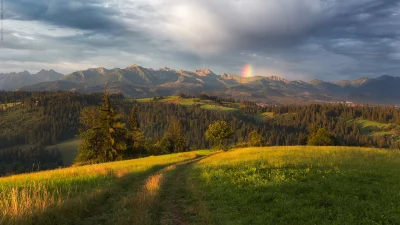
381	90
12	81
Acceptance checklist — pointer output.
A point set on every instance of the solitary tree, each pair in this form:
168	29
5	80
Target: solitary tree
102	132
320	137
174	140
218	133
255	140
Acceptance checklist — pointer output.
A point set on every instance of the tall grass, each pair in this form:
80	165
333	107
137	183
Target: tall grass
25	195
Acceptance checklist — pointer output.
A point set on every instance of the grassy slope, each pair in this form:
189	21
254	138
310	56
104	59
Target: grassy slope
374	128
277	185
68	149
368	126
301	185
204	104
265	115
80	193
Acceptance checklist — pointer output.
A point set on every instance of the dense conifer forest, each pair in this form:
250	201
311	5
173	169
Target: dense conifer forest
46	118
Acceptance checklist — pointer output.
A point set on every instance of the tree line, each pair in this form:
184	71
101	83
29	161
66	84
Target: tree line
17	160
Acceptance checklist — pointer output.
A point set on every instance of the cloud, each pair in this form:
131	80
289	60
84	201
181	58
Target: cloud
325	39
85	15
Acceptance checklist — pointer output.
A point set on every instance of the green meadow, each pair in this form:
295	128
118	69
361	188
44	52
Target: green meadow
204	104
374	128
272	185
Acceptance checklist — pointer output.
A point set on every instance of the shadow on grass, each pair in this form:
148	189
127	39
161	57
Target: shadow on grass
92	207
87	204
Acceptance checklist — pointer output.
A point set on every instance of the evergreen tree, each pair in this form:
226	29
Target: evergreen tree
174	140
103	133
133	121
136	137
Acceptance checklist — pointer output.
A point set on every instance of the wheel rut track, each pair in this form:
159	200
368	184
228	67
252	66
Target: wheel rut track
145	205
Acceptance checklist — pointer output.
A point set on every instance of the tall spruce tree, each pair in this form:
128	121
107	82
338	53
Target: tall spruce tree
103	134
135	136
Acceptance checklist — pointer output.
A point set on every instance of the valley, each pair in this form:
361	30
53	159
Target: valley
30	122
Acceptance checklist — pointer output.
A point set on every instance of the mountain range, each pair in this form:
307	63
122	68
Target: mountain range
12	81
136	81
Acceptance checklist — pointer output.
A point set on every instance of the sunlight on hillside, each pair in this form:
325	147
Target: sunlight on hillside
298	185
32	194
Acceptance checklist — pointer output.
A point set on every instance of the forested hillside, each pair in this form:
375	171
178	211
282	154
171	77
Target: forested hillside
47	118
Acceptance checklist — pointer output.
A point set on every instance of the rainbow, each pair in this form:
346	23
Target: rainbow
247	71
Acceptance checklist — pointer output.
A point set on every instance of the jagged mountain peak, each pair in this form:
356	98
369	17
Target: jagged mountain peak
316	82
204	72
100	70
166	81
228	76
133	67
24	73
276	78
13	81
166	69
355	83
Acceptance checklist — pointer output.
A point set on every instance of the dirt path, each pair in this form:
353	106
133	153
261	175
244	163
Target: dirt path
177	205
162	195
151	203
113	203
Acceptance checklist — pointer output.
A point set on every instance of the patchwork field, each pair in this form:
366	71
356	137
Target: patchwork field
276	185
374	128
204	104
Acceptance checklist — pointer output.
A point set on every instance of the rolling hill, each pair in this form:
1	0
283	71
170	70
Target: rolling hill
137	81
274	185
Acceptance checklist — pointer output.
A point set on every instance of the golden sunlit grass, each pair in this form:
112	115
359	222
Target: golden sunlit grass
28	194
143	202
9	105
275	185
144	206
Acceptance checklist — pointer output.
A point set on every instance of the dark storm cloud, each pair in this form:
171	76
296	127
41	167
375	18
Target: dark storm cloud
82	14
297	39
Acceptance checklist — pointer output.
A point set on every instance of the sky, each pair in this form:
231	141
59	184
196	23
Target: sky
294	39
